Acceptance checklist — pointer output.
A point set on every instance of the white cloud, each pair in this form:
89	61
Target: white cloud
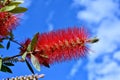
48	20
109	38
102	13
50	16
107	70
96	10
81	2
74	69
117	55
50	27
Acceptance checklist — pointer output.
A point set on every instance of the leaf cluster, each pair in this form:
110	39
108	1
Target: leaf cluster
12	6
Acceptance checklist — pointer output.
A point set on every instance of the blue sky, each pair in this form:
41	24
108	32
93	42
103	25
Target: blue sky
101	17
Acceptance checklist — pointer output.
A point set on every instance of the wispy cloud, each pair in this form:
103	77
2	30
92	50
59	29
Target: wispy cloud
103	13
117	55
97	10
74	69
50	24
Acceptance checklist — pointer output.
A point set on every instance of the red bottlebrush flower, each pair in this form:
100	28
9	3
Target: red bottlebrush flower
8	21
59	46
62	45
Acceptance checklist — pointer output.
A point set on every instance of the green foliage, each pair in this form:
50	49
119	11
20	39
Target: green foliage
13	7
18	10
5	68
31	46
24	55
8	45
35	62
46	64
29	66
14	3
30	49
1	46
8	64
7	8
22	1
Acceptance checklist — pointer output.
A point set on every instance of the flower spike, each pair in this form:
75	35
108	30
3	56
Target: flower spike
8	22
61	45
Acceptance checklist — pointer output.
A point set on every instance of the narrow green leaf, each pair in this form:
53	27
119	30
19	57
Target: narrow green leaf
1	46
8	64
8	45
35	62
29	66
22	1
24	55
46	64
31	46
6	69
14	3
18	10
0	63
8	8
34	41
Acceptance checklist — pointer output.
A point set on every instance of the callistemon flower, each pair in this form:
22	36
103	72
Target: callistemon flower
61	45
8	22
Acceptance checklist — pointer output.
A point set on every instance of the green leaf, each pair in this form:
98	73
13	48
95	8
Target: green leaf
1	46
24	55
94	40
8	45
29	66
22	1
31	46
8	8
34	41
6	69
0	63
35	62
18	10
46	64
8	64
14	3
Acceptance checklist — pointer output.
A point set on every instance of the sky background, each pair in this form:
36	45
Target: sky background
101	17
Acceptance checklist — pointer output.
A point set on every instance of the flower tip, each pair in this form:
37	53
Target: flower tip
41	76
94	40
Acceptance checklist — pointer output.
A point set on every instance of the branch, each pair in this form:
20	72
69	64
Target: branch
14	41
12	59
